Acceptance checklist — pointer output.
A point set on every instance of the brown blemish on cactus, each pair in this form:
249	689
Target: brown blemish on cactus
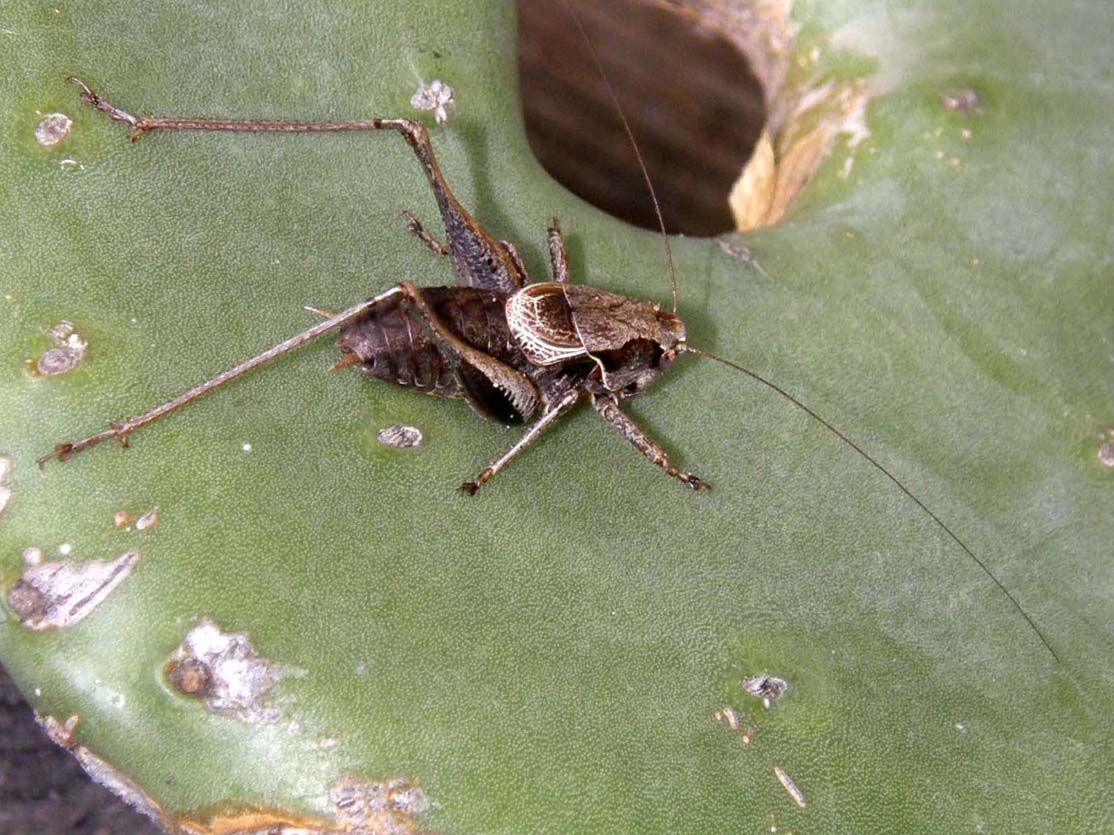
360	806
60	593
190	677
224	670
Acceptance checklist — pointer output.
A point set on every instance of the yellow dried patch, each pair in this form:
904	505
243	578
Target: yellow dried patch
753	192
257	821
779	169
362	807
807	111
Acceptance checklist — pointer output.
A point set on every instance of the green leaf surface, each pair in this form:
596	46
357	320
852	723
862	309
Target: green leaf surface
548	656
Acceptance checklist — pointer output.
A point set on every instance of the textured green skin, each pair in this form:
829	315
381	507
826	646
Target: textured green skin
547	657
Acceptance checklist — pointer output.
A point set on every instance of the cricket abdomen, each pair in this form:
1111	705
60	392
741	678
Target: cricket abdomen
393	342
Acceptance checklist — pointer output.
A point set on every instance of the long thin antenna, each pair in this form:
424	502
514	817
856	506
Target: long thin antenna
634	144
812	413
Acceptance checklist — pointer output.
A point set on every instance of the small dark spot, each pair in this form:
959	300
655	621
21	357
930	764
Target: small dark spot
26	600
765	687
962	101
190	677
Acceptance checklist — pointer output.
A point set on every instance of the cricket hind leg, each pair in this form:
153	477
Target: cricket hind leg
121	430
480	260
609	409
548	418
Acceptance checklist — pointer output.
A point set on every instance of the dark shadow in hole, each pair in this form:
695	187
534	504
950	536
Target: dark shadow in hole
693	102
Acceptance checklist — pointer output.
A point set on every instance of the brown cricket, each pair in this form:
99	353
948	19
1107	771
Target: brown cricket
516	350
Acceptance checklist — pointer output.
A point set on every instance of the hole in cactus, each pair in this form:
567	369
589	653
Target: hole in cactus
693	100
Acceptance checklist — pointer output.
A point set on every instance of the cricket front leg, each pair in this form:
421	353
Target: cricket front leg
609	409
548	418
479	258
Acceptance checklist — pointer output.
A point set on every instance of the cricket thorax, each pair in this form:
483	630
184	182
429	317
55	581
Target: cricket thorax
630	341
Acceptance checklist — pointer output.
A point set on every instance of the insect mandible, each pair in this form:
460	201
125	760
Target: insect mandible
516	350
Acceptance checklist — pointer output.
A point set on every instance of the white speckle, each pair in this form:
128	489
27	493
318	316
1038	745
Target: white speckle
791	787
400	435
963	101
361	669
53	128
326	744
32	556
435	97
147	520
71	164
5	467
245	447
64	549
938	155
59	593
227	672
729	717
133	320
962	728
966	133
38	693
5	497
68	351
1106	453
765	687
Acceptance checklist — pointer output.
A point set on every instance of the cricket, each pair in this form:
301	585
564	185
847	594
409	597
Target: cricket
517	350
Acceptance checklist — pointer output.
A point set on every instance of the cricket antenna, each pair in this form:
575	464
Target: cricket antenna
686	348
634	144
